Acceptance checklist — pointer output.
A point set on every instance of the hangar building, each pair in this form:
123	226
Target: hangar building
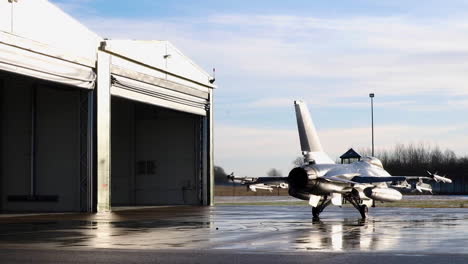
87	123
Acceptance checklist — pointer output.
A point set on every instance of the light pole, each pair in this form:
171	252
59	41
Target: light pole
371	95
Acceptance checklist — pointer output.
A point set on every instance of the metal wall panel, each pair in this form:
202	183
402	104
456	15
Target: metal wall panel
38	39
31	59
160	59
43	22
156	95
140	72
153	77
5	15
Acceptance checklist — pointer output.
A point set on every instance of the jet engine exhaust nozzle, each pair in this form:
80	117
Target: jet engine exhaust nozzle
298	178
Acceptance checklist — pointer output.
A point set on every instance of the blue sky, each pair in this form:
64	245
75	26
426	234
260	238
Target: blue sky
332	54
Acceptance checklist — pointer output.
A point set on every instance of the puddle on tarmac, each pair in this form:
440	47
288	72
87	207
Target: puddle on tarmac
258	228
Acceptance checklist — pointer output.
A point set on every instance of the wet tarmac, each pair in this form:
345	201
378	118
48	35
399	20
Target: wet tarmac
253	229
237	234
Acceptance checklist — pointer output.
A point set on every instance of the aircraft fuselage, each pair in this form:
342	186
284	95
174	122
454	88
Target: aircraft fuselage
315	182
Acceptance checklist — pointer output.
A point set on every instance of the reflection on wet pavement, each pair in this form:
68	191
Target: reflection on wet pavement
257	228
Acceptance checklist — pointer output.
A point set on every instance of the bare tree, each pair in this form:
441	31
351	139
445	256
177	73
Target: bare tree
416	159
299	161
220	175
274	172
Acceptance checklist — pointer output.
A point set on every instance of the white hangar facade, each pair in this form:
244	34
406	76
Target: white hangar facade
87	124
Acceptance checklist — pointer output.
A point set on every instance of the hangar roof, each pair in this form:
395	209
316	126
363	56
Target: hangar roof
34	31
42	22
161	55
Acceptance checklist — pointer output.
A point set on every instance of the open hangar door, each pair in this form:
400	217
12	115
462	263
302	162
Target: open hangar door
44	146
156	155
47	78
160	127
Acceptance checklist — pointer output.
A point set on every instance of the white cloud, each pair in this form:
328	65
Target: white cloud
252	151
327	61
393	56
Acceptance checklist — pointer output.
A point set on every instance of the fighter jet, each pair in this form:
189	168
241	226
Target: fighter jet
322	182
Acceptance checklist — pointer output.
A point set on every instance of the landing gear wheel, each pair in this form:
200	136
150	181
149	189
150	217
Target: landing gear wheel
315	213
364	210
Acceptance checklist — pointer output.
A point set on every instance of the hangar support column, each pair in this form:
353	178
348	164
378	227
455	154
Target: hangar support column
210	157
103	132
207	158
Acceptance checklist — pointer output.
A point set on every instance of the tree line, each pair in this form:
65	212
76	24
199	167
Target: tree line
411	159
405	160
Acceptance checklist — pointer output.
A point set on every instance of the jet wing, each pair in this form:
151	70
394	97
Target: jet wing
432	176
339	178
374	179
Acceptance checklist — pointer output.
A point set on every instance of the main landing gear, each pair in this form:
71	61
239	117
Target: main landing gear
326	201
362	208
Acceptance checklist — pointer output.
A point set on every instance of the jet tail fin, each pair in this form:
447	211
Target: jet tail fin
310	142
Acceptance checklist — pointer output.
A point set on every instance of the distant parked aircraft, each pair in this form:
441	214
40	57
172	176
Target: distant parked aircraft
322	182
